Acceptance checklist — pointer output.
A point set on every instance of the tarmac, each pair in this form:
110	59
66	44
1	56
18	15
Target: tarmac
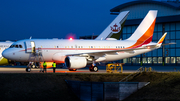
101	69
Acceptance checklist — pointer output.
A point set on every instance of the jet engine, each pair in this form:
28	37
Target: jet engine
75	62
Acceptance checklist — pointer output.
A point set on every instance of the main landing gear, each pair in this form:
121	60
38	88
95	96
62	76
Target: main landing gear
93	67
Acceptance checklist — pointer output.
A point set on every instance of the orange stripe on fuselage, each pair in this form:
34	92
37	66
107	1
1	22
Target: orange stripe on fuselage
145	38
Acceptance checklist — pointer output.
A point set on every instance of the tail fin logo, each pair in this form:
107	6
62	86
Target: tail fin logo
115	28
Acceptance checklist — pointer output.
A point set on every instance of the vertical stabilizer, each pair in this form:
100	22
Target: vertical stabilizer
144	32
115	27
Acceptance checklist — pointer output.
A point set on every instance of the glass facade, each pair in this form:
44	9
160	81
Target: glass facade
166	55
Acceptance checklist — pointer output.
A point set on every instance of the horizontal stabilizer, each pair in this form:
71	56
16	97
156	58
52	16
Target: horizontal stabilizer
172	43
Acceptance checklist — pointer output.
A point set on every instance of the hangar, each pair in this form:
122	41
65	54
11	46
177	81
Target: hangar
168	20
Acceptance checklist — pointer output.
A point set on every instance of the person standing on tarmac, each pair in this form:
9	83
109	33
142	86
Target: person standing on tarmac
44	65
54	67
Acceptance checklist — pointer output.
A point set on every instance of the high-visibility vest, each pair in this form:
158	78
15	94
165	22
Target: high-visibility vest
44	64
54	65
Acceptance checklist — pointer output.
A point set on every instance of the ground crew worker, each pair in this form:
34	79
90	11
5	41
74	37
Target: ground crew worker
54	67
44	65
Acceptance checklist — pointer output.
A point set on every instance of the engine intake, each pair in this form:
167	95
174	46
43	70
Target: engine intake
75	62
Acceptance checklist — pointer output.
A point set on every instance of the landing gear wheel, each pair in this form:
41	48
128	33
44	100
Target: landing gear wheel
72	69
28	69
95	68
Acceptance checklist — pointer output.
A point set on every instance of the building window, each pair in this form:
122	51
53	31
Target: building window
159	60
133	60
177	26
128	60
172	26
155	36
177	52
138	60
154	53
149	60
155	60
159	52
172	35
177	43
172	52
173	60
129	29
124	30
134	28
177	34
167	60
125	61
144	60
160	27
178	60
167	27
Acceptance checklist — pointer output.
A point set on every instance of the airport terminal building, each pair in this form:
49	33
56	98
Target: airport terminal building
168	20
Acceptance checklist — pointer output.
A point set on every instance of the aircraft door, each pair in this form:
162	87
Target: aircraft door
30	46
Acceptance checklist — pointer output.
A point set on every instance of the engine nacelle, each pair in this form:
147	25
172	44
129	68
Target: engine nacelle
75	62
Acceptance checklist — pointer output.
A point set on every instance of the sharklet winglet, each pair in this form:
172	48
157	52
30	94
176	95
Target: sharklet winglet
161	40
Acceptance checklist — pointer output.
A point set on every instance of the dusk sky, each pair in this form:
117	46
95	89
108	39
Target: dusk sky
21	19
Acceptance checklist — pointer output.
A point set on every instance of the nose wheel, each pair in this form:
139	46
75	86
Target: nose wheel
93	68
28	69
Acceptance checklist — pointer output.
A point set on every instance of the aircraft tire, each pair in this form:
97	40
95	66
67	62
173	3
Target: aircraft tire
28	69
95	68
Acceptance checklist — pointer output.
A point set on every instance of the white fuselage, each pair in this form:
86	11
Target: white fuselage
54	50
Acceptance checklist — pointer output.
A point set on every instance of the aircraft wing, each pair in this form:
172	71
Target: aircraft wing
114	52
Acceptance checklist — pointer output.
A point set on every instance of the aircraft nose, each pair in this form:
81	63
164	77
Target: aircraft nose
7	54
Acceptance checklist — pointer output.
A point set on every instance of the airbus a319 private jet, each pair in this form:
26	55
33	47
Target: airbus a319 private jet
77	54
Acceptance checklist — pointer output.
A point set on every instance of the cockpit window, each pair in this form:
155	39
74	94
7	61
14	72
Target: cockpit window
20	46
16	46
12	46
